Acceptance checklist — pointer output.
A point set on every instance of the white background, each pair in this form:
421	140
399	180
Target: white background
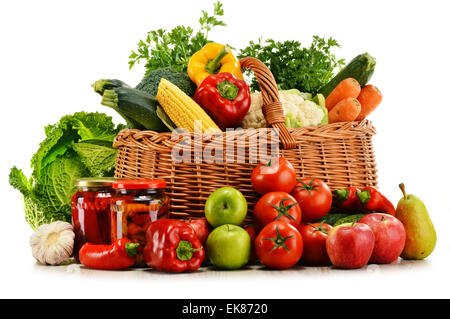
51	51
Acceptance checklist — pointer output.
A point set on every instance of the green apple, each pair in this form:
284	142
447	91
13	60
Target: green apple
225	205
228	247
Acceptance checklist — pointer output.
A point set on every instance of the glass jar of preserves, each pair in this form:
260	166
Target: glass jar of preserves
136	204
91	206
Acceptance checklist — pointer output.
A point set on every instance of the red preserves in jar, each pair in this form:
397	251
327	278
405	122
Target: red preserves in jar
136	204
91	206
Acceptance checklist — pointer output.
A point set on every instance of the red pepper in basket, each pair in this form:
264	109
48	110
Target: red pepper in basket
372	200
119	255
172	246
225	98
347	199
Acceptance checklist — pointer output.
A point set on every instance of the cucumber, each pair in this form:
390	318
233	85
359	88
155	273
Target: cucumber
137	106
332	218
349	219
361	68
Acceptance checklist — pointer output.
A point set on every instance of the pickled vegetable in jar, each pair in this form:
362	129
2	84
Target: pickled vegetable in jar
91	206
136	204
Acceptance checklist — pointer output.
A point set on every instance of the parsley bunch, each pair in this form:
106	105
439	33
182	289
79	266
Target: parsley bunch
163	48
305	69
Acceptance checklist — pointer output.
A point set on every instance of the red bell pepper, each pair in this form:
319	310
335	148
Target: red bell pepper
172	246
225	98
119	255
372	200
347	199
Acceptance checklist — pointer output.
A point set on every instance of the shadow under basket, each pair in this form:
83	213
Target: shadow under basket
341	154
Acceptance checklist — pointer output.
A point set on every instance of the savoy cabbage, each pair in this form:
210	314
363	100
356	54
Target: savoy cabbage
79	145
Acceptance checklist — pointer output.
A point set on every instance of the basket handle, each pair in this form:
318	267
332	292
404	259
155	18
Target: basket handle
272	108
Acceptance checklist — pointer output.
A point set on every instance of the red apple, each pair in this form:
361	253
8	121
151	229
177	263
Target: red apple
200	227
253	232
389	234
350	245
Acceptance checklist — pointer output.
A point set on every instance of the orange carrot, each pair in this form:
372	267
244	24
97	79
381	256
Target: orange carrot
134	208
348	87
370	97
346	110
134	229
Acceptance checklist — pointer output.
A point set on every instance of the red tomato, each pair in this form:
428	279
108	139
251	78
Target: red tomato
315	198
314	243
279	245
274	176
277	206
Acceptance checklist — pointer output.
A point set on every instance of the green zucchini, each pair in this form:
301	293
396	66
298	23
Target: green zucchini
133	104
361	68
131	124
107	84
165	118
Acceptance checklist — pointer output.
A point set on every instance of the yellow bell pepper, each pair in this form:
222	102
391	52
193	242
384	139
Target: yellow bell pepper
213	58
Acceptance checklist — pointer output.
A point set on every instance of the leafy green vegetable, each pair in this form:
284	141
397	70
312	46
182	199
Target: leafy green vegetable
57	185
79	145
305	69
99	160
162	48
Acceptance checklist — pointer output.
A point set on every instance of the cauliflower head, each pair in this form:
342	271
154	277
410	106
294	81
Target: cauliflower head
298	110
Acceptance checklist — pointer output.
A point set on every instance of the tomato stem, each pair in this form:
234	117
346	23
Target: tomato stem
284	210
320	228
269	163
279	241
309	187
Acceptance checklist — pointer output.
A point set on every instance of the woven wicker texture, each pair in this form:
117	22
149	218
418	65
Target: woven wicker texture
341	154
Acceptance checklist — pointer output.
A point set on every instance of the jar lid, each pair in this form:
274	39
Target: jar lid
95	182
139	184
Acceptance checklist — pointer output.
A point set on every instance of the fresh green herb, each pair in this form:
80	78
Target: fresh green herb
305	69
79	145
163	48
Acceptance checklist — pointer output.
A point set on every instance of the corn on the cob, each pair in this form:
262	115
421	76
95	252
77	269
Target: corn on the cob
183	110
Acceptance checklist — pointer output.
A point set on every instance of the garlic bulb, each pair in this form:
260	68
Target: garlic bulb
52	243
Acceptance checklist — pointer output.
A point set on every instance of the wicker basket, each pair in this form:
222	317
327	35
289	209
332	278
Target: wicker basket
341	154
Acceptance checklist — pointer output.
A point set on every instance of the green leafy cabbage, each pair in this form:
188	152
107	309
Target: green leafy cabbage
79	145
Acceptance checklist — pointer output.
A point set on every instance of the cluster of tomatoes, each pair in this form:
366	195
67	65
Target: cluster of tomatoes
284	229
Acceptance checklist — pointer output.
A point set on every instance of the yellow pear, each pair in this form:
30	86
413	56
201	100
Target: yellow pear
420	233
